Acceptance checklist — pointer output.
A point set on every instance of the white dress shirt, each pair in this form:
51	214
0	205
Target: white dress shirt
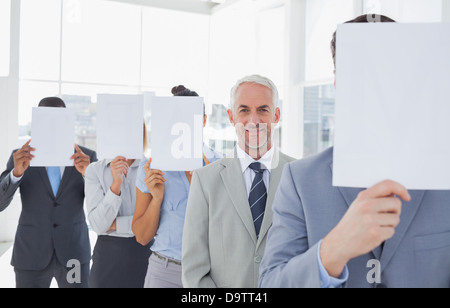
248	174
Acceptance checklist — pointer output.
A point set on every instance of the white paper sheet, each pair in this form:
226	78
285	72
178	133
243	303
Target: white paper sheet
120	120
53	136
176	139
393	105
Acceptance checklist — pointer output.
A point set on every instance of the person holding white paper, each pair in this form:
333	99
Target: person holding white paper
161	200
118	261
52	236
382	236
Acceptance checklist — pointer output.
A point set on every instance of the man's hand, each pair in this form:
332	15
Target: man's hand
80	160
22	159
154	180
370	220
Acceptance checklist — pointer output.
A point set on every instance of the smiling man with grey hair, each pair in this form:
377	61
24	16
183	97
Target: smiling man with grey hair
229	210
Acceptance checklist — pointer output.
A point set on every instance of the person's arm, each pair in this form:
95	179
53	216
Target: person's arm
103	203
289	261
16	167
326	280
195	249
148	205
8	186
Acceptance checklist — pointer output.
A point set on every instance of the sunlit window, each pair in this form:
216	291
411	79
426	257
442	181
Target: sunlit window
77	49
407	10
30	93
101	42
175	50
322	18
247	38
40	31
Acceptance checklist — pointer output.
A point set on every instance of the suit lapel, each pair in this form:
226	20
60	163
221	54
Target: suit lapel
409	211
349	194
66	176
234	184
65	179
45	180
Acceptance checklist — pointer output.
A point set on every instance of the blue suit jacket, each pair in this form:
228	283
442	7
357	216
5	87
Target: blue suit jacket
48	224
307	207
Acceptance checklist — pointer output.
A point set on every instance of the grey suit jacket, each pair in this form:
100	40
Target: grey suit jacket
48	224
307	207
220	248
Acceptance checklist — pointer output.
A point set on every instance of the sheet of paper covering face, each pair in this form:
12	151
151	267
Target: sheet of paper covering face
393	105
120	119
53	136
176	139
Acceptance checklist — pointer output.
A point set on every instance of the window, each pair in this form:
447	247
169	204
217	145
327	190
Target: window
101	42
40	31
76	49
30	93
175	50
318	118
407	10
322	18
247	37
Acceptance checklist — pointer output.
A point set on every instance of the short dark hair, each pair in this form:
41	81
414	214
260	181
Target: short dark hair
366	18
52	101
183	91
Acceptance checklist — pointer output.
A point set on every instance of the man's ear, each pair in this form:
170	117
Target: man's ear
230	116
277	115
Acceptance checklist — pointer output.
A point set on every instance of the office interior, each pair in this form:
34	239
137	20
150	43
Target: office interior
76	49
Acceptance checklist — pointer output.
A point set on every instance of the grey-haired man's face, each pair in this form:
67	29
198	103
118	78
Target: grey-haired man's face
254	116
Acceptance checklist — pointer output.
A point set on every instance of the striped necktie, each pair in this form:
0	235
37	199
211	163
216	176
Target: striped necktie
258	196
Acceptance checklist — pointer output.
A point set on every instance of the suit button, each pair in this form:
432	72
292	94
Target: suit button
257	259
55	204
55	225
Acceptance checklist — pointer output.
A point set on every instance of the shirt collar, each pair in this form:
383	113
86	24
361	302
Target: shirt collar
246	159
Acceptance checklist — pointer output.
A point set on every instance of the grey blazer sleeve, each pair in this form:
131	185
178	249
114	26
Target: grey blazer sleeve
7	189
288	260
195	249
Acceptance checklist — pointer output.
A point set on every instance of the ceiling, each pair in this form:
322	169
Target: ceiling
193	6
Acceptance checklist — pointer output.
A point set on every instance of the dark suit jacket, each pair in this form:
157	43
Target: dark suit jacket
48	224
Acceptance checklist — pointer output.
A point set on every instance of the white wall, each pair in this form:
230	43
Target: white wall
9	89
